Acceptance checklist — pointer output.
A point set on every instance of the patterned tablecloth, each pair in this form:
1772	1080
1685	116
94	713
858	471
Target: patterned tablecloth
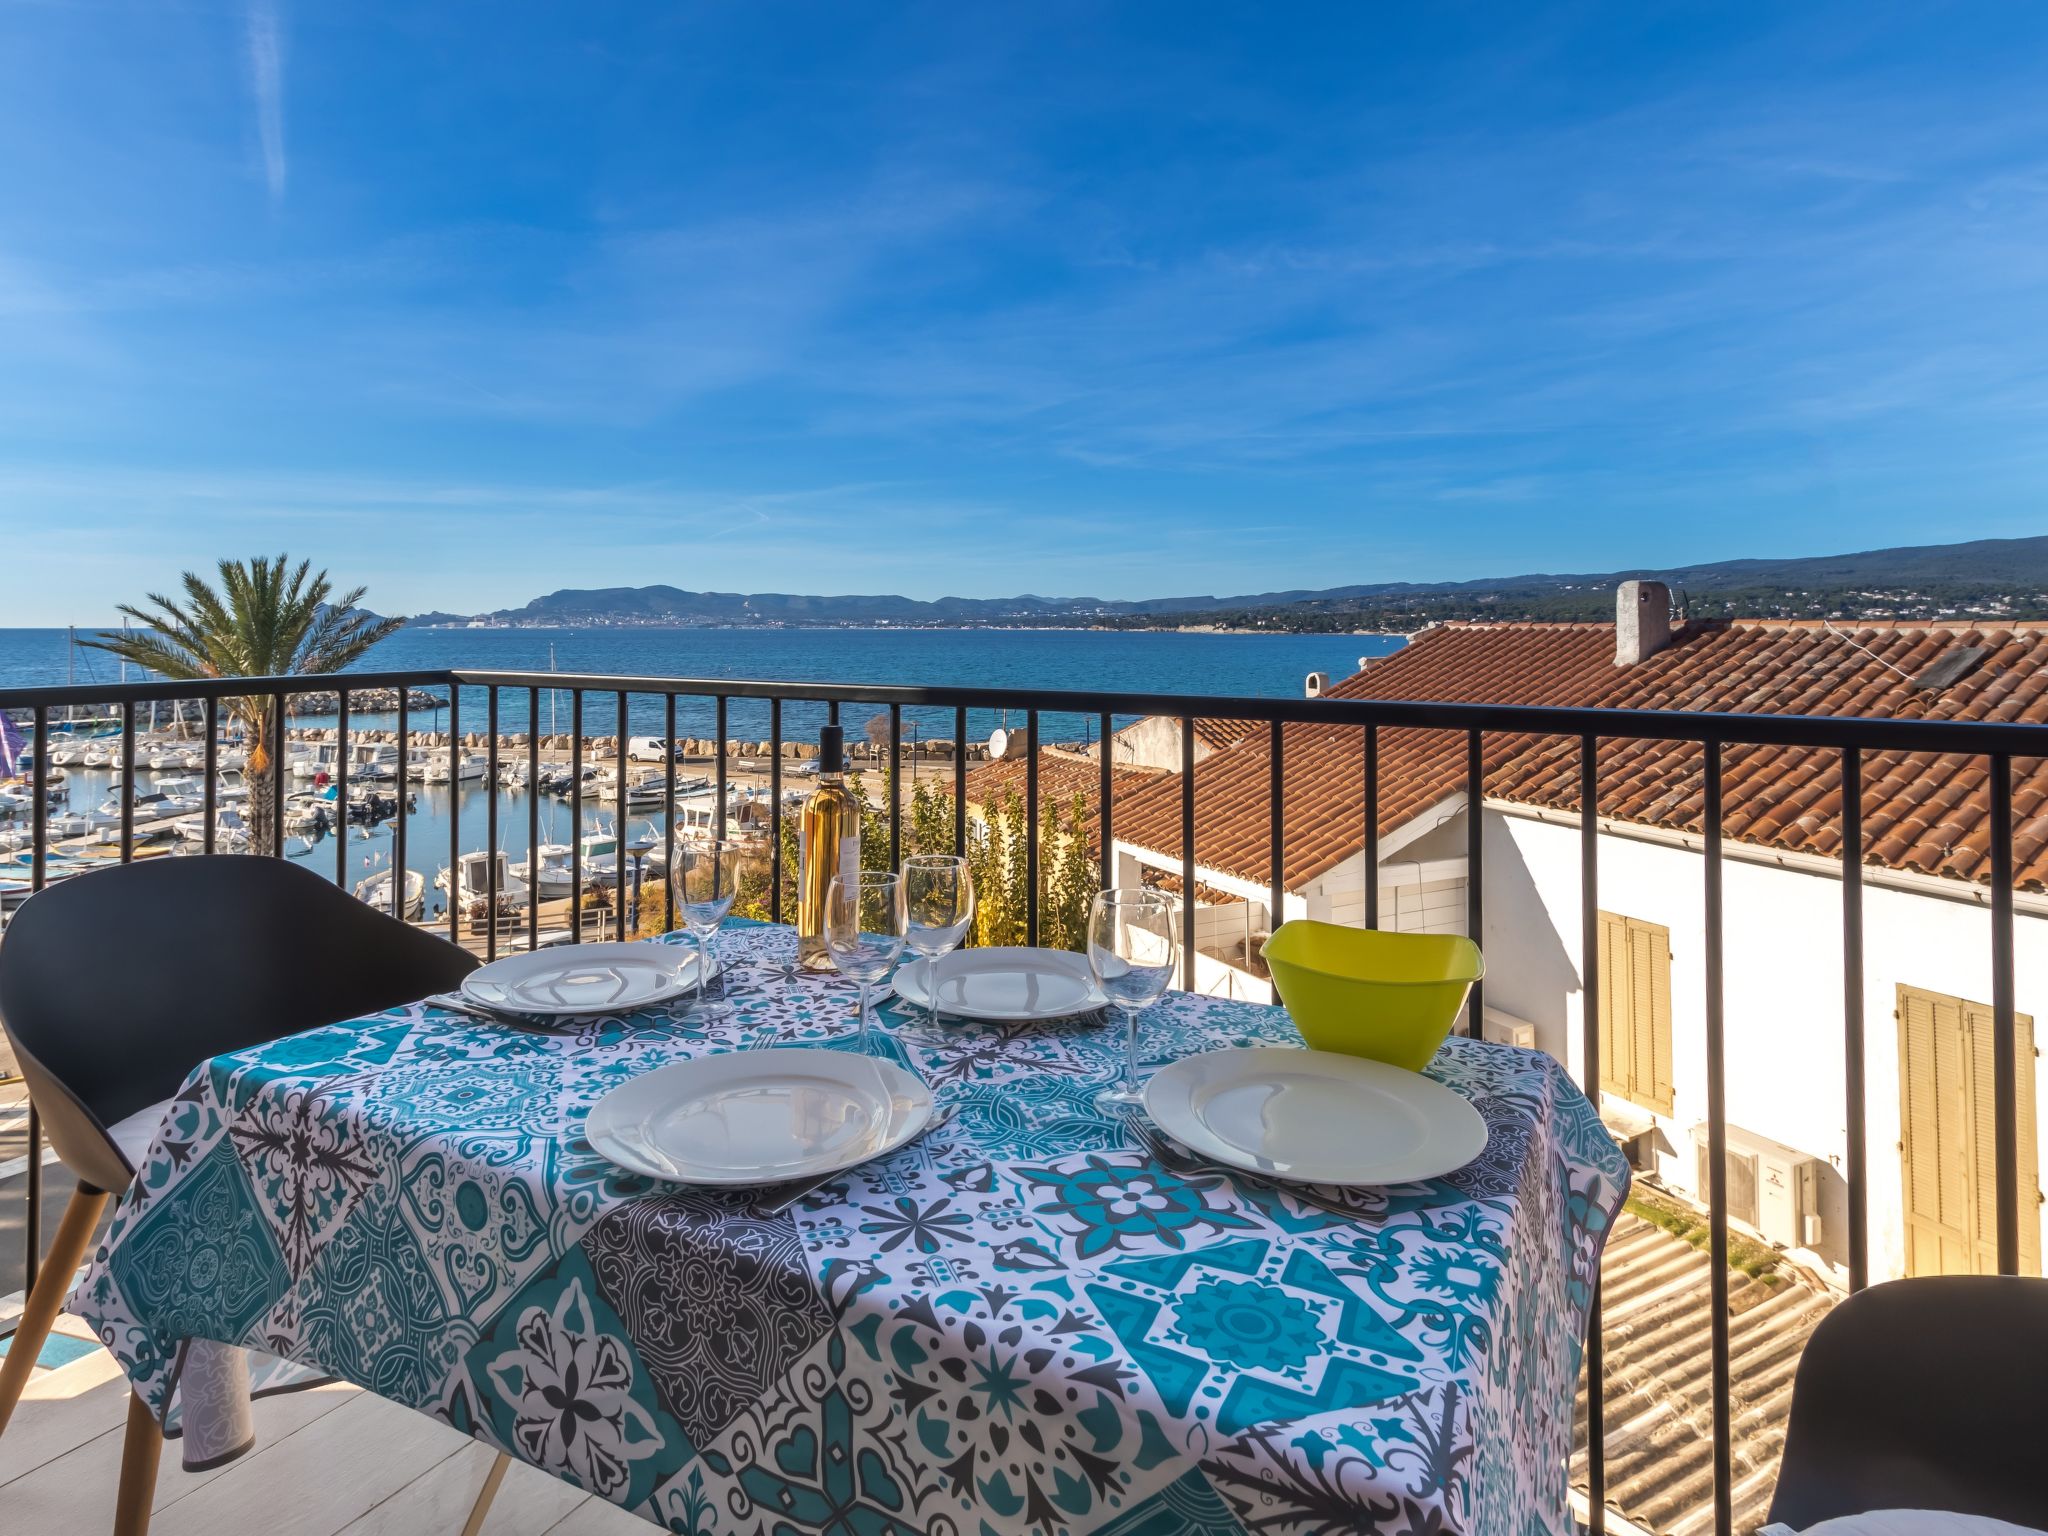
1019	1324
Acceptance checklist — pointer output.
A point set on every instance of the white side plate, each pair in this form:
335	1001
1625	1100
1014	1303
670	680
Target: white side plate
1001	985
1314	1117
576	979
759	1117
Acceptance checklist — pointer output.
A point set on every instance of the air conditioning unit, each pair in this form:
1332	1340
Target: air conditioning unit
1773	1189
1506	1029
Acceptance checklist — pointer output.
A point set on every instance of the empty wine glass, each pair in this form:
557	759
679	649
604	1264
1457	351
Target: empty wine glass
706	876
938	905
864	934
1132	948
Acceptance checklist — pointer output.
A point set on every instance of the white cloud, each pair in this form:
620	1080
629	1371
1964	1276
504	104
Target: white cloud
266	81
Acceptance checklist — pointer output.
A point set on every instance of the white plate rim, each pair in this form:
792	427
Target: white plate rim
902	1130
1056	959
1463	1139
562	957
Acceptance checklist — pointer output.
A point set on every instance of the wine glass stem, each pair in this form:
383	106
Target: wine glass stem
931	994
1130	1050
867	1035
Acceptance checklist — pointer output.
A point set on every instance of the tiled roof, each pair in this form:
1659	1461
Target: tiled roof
1921	812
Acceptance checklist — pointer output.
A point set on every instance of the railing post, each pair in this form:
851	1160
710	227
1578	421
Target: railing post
277	774
2004	1030
896	786
341	754
1717	1147
1187	852
455	830
211	792
1276	833
1857	1152
1030	826
127	780
1475	874
1105	873
1372	826
774	794
960	780
533	818
491	822
575	815
399	818
671	853
1589	1032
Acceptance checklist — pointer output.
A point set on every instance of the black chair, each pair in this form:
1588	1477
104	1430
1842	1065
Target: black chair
114	985
1922	1394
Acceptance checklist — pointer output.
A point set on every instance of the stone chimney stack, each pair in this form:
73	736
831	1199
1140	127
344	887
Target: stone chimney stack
1642	621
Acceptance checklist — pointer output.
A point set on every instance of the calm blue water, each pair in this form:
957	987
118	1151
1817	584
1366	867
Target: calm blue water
1270	666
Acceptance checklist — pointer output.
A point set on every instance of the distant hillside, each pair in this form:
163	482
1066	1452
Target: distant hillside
1915	581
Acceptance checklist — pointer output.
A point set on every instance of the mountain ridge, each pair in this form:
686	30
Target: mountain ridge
2001	564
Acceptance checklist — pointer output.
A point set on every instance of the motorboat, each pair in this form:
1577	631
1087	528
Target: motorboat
230	831
474	871
462	768
376	890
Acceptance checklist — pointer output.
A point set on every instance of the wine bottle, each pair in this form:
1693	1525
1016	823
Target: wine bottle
828	844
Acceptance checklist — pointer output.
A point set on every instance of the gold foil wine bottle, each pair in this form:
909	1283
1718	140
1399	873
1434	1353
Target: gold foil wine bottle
828	844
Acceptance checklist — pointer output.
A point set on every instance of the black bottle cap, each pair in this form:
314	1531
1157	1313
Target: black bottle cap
831	749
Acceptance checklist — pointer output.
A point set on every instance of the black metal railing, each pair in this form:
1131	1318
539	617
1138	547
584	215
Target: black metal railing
1999	744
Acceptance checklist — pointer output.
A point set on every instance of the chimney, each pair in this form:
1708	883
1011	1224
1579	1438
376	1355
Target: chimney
1642	621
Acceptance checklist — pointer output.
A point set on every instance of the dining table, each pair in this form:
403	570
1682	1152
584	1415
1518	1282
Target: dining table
1036	1318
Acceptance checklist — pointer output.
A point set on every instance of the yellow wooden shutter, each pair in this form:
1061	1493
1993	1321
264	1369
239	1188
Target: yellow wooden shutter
1615	1036
1635	1010
1982	1034
1656	949
1947	1085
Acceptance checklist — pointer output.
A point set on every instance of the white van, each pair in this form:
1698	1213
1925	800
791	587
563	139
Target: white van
650	749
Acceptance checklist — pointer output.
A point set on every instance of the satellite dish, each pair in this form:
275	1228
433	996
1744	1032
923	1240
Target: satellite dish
998	743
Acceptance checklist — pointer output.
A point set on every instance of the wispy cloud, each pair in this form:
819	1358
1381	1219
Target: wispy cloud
266	82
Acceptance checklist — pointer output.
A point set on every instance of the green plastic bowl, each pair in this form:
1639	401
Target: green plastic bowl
1390	997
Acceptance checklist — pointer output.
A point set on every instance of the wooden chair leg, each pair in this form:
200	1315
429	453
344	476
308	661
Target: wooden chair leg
140	1448
53	1283
482	1507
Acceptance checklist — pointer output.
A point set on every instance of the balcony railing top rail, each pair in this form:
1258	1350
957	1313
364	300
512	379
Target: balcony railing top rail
1866	733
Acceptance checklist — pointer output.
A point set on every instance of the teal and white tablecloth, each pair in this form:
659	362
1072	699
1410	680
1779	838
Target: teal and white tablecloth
1020	1324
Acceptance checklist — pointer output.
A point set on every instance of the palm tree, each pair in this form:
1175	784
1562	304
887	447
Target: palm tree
268	619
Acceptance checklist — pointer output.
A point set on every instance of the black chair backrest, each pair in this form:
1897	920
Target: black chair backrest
114	985
1922	1394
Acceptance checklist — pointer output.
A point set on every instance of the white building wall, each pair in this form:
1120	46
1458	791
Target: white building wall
1782	981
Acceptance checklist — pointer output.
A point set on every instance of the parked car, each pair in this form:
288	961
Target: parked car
651	749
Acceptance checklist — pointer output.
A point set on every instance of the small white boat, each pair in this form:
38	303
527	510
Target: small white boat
231	787
474	892
67	754
467	768
376	890
230	831
98	755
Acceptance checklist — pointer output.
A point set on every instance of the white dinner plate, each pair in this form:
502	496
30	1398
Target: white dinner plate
1314	1117
759	1117
1002	985
579	979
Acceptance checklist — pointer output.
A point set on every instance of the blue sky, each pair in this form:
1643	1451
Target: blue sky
470	302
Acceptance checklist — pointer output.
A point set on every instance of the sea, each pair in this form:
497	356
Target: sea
1150	661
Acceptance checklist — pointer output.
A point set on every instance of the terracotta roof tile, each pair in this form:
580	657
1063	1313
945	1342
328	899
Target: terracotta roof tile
1921	812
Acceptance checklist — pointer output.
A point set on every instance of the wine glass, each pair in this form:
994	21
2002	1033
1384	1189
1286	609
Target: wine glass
938	904
706	876
1132	948
864	934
